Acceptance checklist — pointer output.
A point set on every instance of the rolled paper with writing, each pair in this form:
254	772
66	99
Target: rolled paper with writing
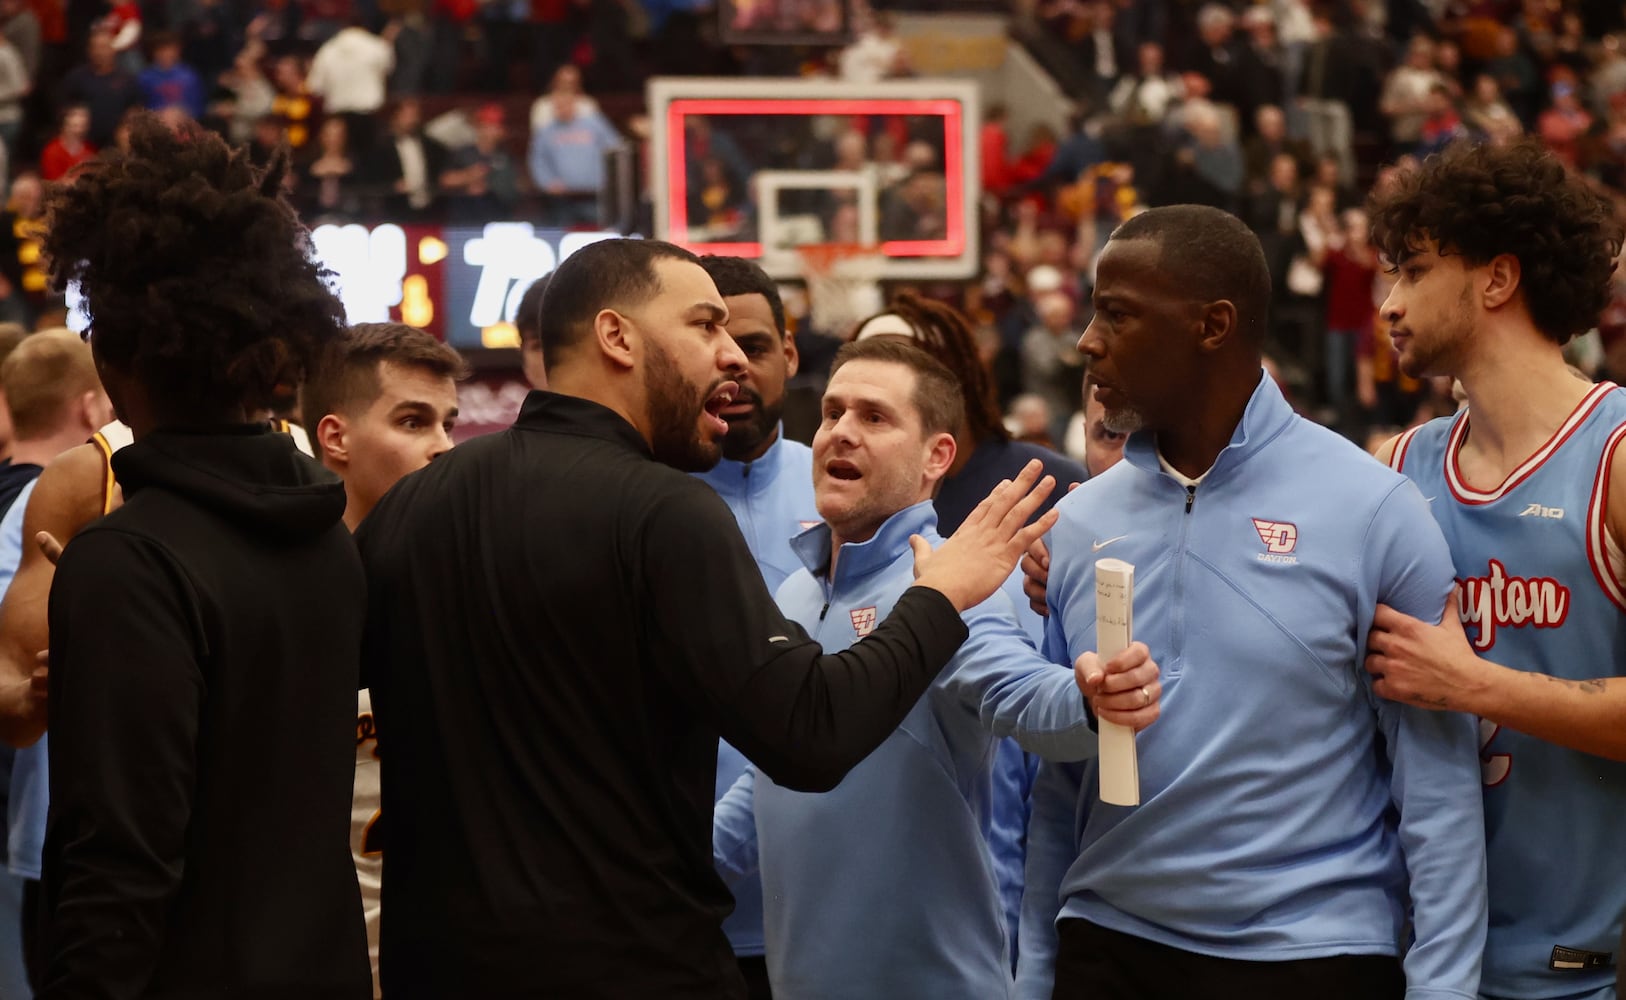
1114	631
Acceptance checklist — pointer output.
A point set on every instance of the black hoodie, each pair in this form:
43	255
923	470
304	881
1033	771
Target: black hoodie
204	661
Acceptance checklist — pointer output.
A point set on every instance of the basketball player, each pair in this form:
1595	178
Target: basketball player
207	633
1502	257
381	403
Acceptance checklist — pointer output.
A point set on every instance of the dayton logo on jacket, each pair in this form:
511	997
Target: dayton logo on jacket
863	621
1280	538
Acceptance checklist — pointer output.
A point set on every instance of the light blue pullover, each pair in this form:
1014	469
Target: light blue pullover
772	499
883	887
1287	812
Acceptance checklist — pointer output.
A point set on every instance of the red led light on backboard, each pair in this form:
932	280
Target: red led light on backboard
954	179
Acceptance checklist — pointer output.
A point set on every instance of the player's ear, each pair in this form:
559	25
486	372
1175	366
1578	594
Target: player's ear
1501	277
332	441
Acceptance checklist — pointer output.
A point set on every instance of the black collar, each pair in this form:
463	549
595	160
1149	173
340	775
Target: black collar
561	414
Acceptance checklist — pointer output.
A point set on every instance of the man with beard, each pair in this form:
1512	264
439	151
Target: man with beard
1503	256
560	627
1292	823
767	481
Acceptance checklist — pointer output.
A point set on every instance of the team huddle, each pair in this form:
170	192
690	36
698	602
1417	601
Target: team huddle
641	698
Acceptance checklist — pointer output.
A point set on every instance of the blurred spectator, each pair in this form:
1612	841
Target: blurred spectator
875	55
994	149
1052	367
1406	92
1350	265
1029	420
1208	165
1563	124
1272	211
1487	115
291	104
482	182
167	82
268	136
405	163
1224	60
1146	96
915	208
1300	311
329	182
414	46
717	202
349	74
1327	91
102	87
1036	158
245	94
20	25
21	224
1441	125
1269	140
1325	173
1516	75
14	86
1265	65
567	161
1448	63
71	147
122	26
1103	51
566	88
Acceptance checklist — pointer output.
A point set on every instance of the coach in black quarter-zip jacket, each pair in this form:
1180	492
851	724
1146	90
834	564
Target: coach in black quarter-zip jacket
560	626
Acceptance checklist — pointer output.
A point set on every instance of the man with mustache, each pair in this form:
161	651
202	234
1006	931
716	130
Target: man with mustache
561	624
767	481
1294	830
1504	255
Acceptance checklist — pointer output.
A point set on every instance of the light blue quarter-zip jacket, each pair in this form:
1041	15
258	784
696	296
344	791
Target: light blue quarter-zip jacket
883	887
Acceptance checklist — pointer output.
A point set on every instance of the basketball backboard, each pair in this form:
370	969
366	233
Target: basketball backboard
756	167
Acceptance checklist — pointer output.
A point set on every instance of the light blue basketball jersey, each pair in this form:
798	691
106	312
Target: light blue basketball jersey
1539	591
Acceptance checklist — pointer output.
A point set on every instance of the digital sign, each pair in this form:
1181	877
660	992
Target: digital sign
463	284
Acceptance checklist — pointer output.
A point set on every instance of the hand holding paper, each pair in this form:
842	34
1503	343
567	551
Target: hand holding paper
1114	631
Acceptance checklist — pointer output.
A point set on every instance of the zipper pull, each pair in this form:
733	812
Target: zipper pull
1191	497
824	611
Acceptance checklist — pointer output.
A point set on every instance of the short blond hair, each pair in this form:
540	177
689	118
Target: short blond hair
46	371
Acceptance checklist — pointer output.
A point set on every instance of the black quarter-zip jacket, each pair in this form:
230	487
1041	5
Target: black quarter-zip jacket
559	629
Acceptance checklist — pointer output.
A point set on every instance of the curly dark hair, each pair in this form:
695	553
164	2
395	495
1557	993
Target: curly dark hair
946	335
1483	201
196	274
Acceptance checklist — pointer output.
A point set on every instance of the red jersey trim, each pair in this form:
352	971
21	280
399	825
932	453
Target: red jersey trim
1597	524
1467	494
1397	458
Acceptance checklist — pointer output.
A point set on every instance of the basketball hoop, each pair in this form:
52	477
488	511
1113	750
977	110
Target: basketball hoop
843	284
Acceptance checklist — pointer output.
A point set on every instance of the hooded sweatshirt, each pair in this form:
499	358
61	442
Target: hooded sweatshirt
204	664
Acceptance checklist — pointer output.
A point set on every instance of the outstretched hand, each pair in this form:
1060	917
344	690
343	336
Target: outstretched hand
1124	689
983	551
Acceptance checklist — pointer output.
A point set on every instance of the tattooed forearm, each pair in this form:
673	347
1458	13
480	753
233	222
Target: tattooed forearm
1592	685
